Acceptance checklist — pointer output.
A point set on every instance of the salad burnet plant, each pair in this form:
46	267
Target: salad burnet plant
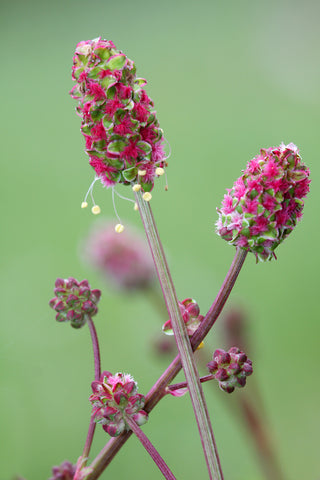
125	145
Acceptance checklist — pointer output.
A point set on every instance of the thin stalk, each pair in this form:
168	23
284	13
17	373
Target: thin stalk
158	390
182	340
97	374
154	454
96	349
177	386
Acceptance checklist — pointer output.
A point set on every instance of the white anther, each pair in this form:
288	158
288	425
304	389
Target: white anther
147	196
84	204
96	210
159	171
119	228
142	173
136	208
136	187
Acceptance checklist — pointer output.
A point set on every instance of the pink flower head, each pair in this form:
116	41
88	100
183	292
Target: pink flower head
113	399
65	471
265	203
123	259
230	368
74	301
191	316
118	119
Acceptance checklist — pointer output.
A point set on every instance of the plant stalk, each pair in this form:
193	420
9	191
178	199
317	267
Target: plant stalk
97	374
182	341
154	454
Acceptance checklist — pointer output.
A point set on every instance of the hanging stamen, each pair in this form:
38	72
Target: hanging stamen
95	209
119	227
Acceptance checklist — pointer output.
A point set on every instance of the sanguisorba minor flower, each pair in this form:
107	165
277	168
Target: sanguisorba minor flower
123	139
265	203
74	301
65	471
114	398
123	259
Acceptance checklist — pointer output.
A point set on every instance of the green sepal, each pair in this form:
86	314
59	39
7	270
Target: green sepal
151	119
116	146
115	162
115	176
96	154
76	92
111	92
86	129
144	146
97	114
99	145
83	59
130	174
78	71
116	62
141	82
107	82
102	53
107	123
146	186
253	194
94	72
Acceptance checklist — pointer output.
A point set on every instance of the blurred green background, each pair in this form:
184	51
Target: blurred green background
227	78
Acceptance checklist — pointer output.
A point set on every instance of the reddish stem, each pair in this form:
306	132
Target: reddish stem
154	454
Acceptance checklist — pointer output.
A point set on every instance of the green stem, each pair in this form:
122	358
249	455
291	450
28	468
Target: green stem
182	340
154	454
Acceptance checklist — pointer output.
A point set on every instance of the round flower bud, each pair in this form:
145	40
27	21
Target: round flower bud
118	120
123	259
230	368
65	471
114	398
191	315
74	301
265	203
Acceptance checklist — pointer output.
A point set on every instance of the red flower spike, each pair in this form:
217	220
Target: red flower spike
265	203
118	119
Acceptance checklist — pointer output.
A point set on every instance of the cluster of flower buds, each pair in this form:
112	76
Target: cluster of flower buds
123	259
265	203
74	301
65	471
230	368
191	315
114	398
123	139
